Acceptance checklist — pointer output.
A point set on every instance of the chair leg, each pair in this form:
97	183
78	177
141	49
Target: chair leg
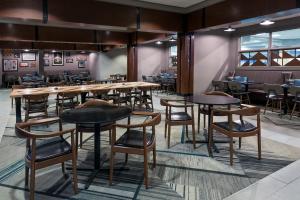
169	135
186	131
111	167
166	127
259	145
294	108
109	135
26	176
12	102
32	183
154	156
210	140
146	169
194	136
126	158
266	106
198	119
280	108
240	142
204	120
74	171
80	139
63	168
231	151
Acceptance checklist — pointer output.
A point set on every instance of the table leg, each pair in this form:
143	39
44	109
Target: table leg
18	109
83	97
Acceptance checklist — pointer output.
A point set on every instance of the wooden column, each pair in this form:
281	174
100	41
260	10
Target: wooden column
41	70
185	71
132	53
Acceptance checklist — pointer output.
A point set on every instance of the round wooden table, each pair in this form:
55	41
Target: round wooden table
210	101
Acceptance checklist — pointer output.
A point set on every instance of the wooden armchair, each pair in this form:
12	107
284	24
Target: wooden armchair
136	141
67	100
178	118
36	104
46	149
233	129
238	90
144	98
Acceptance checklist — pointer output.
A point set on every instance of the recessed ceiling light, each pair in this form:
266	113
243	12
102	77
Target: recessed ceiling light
172	39
158	42
267	23
26	50
229	29
53	51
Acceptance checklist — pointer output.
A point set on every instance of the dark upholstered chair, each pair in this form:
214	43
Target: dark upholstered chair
237	90
178	118
43	150
233	129
90	128
144	98
274	96
136	141
124	96
295	91
37	105
66	100
204	110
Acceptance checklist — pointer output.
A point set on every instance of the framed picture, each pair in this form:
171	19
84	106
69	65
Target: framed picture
69	60
10	65
58	58
81	64
24	64
68	53
46	62
46	55
28	56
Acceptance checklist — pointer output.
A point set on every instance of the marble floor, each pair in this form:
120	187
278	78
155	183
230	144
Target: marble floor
181	173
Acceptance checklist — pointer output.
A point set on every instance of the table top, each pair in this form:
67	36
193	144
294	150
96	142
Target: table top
250	82
79	88
212	100
96	114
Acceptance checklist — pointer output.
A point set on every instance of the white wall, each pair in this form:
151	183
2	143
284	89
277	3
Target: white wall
151	59
104	64
213	59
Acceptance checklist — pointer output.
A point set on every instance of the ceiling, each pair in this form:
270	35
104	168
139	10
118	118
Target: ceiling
179	6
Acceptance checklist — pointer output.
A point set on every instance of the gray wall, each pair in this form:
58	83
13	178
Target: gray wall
214	57
152	59
104	64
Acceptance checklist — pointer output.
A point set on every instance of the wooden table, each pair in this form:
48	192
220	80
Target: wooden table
83	89
210	101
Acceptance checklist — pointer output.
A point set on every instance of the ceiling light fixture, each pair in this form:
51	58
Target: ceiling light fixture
229	29
266	22
172	39
26	50
53	51
158	42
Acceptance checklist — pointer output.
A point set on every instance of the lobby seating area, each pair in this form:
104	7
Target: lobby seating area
149	99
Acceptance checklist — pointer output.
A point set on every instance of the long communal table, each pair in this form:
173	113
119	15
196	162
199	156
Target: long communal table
83	89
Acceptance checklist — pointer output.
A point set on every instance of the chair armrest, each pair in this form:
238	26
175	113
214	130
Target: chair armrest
30	123
156	118
53	134
165	102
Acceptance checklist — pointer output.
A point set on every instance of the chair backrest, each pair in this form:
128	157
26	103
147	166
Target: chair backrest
296	82
241	79
274	89
235	86
124	91
218	85
40	98
144	78
100	92
17	87
286	76
68	95
247	111
295	91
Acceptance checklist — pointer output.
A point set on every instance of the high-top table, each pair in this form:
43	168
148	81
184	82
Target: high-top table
83	89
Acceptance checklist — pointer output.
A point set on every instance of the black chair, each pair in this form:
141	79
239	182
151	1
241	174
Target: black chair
66	100
238	90
144	98
36	106
274	96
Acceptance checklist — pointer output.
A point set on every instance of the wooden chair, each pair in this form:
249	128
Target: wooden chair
204	110
182	118
135	141
233	129
36	104
100	94
66	100
90	128
144	98
124	96
43	150
15	87
237	90
274	96
218	86
295	91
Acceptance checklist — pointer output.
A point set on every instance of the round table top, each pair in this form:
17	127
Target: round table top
213	100
96	114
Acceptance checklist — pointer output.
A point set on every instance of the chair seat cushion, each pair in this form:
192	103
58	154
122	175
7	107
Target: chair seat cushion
237	127
134	138
50	148
180	116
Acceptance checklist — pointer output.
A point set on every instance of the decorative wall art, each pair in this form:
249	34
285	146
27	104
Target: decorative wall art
81	57
10	65
58	58
69	60
46	55
24	64
81	64
7	52
28	56
46	62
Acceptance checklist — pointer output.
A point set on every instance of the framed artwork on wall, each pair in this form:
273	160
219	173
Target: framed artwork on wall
29	56
46	55
69	60
58	58
24	64
81	64
46	62
10	65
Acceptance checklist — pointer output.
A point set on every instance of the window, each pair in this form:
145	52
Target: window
285	57
173	56
253	42
289	38
254	58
